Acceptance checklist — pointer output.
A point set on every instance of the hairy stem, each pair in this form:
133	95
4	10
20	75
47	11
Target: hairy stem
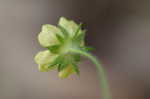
101	73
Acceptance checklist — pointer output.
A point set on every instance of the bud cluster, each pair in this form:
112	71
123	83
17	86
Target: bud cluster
58	40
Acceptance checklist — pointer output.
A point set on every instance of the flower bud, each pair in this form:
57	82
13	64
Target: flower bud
44	57
60	41
45	68
47	36
69	25
66	72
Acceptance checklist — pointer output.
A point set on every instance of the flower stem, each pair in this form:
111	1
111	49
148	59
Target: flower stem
101	73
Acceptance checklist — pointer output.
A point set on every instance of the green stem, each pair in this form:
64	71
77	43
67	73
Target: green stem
101	73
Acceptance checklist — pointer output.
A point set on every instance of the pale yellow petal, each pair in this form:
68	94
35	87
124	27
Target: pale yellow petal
45	68
69	25
44	57
47	36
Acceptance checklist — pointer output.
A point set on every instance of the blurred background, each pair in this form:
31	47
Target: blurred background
118	29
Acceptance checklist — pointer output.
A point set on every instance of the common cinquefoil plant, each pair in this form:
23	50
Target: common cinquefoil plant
64	46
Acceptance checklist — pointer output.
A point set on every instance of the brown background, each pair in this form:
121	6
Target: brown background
118	29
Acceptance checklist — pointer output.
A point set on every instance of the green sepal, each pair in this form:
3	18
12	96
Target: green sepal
63	65
58	60
78	30
76	68
52	64
80	38
77	57
43	68
66	72
60	38
87	48
54	48
64	31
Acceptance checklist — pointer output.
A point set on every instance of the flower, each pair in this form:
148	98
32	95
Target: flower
47	36
59	40
66	72
69	25
65	45
43	59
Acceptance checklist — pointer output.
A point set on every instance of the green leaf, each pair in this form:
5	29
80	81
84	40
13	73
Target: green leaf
43	68
52	64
